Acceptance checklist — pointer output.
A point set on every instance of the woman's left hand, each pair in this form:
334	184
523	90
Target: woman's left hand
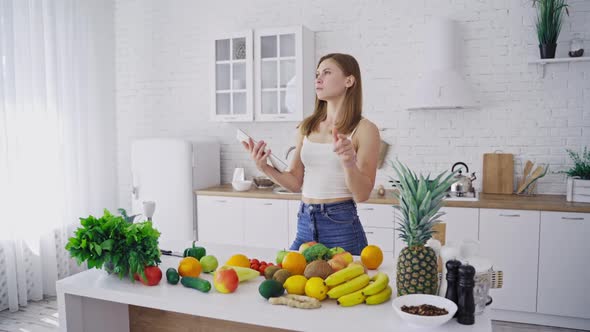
344	149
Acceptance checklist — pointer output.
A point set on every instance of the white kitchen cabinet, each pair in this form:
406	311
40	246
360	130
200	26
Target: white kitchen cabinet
265	223
220	219
382	237
378	223
293	210
376	215
461	224
564	275
510	238
232	93
284	73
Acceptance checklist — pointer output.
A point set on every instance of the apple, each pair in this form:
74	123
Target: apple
306	245
345	256
337	264
336	250
280	255
226	280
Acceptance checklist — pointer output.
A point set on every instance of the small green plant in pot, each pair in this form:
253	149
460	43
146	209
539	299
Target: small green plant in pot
112	243
578	181
420	200
548	25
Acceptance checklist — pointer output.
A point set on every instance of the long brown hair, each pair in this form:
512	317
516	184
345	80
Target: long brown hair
353	99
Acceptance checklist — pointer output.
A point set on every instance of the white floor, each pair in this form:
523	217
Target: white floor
42	317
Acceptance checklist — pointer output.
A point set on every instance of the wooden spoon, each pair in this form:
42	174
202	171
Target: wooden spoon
537	173
527	169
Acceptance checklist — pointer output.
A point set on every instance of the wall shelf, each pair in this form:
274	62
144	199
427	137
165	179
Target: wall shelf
542	62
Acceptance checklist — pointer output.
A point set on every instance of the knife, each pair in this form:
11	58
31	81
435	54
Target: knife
170	253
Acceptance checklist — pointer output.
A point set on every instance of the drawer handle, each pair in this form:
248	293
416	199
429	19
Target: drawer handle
572	218
509	215
368	209
221	201
267	204
369	232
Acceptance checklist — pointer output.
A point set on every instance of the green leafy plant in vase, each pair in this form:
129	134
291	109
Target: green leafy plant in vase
548	24
420	200
113	243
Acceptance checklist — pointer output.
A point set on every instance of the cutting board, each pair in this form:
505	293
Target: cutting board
498	173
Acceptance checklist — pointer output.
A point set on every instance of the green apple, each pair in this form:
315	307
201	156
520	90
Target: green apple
280	255
209	263
336	250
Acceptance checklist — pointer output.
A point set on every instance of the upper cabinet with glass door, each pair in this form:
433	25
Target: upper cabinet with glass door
232	93
285	69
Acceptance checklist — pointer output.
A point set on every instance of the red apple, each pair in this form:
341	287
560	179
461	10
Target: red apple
226	280
345	256
337	264
306	245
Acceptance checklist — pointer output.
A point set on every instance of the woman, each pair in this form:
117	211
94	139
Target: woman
335	159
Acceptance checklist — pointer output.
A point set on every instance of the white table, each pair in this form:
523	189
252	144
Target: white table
95	301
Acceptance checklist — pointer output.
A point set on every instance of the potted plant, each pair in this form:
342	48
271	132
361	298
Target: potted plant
419	199
578	180
548	24
118	246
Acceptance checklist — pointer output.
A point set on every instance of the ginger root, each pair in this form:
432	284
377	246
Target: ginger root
296	301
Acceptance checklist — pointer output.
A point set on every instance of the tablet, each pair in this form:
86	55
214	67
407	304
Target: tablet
276	162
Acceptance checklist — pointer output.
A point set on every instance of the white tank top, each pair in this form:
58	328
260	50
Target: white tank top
323	175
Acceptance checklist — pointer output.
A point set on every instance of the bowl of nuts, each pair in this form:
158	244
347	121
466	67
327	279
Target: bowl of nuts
422	310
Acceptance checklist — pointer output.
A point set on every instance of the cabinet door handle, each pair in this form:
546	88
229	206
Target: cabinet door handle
267	204
368	209
572	218
509	215
221	201
369	232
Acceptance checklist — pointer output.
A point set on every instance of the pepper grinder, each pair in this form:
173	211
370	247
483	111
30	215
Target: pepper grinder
452	277
466	305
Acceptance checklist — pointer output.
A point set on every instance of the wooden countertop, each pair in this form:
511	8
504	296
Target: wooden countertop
486	201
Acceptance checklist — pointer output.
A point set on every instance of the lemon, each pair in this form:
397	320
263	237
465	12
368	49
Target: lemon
295	284
238	260
316	288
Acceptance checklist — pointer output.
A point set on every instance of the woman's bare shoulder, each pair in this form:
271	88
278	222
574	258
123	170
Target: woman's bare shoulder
367	128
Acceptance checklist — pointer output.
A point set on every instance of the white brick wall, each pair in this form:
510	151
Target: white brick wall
162	50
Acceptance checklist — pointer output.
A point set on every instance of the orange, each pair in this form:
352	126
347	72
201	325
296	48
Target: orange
238	260
294	262
372	257
189	267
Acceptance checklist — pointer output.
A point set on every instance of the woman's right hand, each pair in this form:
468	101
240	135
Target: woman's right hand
257	153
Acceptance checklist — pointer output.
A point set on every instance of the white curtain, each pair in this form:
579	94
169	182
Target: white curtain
57	136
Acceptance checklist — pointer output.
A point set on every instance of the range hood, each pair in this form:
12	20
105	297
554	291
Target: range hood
440	85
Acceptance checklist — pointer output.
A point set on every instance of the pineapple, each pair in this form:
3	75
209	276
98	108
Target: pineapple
419	202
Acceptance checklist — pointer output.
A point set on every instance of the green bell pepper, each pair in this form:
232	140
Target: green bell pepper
196	252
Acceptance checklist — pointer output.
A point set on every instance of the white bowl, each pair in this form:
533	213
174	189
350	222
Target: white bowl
242	185
418	299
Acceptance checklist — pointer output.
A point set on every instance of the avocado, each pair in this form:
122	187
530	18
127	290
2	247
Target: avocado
271	288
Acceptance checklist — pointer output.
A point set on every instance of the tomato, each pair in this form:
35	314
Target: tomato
255	267
262	268
263	263
255	261
153	275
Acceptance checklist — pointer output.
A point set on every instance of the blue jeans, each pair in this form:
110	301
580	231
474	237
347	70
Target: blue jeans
332	224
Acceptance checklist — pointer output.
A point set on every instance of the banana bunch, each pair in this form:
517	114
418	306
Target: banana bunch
357	289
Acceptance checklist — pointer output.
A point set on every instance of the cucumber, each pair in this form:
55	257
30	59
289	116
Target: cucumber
196	283
172	276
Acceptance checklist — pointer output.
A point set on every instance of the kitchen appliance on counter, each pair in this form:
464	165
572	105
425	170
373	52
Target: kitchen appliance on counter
462	185
166	171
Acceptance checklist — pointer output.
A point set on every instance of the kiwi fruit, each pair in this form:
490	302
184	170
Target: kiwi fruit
281	275
270	271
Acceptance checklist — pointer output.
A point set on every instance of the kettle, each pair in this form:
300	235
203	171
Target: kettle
462	184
